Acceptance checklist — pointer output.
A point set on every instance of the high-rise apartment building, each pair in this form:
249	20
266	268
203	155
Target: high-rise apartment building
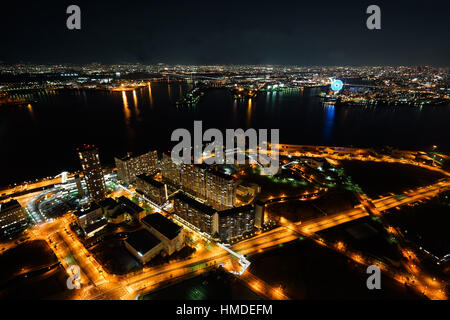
79	186
236	222
12	218
193	179
154	190
217	189
197	214
171	172
93	174
129	167
220	190
225	225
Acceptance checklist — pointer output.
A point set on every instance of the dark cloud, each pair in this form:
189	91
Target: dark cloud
247	32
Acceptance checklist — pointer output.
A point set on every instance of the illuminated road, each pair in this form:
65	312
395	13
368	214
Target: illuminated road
263	287
99	285
16	191
381	204
28	187
337	153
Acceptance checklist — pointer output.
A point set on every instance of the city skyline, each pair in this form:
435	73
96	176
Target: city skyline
225	157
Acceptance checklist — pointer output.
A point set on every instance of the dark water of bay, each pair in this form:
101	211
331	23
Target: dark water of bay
40	140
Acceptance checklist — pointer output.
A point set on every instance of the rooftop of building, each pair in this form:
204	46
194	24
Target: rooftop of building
130	156
107	203
200	165
94	206
235	210
150	180
163	225
259	203
87	147
222	175
118	211
142	241
133	207
94	226
194	203
12	204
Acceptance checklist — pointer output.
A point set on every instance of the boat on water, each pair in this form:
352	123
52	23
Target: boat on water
192	97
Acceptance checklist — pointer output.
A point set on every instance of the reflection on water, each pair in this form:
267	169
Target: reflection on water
235	111
136	107
106	119
329	121
30	110
267	101
130	134
85	98
150	94
135	99
249	112
126	109
168	92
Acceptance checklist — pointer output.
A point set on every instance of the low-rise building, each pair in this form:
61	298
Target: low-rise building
91	229
121	210
135	211
108	205
88	216
143	245
170	234
247	193
118	215
315	162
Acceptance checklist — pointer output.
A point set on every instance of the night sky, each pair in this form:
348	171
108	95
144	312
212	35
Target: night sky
227	32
